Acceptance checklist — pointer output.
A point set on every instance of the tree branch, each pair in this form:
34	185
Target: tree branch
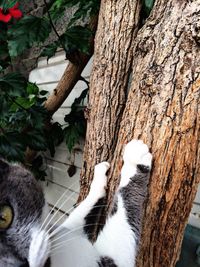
66	84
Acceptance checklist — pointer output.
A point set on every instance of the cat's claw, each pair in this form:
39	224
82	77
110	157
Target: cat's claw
99	182
137	153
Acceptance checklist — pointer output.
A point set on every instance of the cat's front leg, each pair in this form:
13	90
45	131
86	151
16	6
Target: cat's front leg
77	218
137	158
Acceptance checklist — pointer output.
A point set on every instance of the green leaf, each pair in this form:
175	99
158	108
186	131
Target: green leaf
36	140
84	9
25	103
13	83
76	128
58	8
49	50
5	4
77	37
71	136
27	32
11	146
32	89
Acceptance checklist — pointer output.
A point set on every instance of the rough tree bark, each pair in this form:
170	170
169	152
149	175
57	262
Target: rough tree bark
117	27
163	109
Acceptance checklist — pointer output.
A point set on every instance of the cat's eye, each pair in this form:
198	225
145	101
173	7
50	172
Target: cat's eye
6	217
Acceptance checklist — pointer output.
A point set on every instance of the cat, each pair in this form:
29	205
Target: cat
24	242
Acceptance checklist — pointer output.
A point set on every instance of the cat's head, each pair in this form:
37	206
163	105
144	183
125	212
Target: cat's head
22	207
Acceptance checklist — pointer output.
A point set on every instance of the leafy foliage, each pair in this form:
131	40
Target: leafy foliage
77	37
28	31
24	121
84	9
12	84
49	50
22	117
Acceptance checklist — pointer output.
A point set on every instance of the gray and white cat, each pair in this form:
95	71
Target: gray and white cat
24	241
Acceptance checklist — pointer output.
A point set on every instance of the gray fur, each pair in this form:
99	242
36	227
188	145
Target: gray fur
19	189
134	195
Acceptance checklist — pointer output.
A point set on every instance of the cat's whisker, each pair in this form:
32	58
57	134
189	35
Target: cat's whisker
53	208
58	220
59	245
74	230
60	227
69	197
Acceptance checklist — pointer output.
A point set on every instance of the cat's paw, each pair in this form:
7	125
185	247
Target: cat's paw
136	157
102	168
99	182
137	153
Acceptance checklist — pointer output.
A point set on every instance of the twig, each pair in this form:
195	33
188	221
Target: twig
54	28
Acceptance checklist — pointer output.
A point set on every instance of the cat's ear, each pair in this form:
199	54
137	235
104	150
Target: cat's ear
4	168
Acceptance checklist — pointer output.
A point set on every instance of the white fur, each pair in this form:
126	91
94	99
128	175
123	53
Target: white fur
117	240
76	251
39	248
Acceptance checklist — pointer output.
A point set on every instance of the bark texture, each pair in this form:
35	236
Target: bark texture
117	27
163	109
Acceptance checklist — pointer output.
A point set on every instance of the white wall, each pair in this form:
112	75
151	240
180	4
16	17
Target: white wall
47	76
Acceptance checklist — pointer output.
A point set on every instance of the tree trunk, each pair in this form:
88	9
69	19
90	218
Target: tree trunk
117	27
162	109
